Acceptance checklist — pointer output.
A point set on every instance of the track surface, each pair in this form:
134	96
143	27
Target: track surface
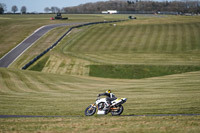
12	55
34	116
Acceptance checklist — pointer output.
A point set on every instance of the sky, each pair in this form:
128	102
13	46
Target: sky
39	5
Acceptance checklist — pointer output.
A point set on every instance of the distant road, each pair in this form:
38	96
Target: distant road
13	54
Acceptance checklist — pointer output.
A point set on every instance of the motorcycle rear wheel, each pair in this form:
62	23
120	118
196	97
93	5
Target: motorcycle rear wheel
89	111
118	112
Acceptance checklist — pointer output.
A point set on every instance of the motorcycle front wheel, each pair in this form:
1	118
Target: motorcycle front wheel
119	111
90	110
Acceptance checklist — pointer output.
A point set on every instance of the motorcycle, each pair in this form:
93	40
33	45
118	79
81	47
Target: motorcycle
101	105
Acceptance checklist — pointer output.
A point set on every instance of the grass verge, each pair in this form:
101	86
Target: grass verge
40	65
137	71
178	124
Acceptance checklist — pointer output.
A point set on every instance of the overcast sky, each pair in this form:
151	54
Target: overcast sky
39	5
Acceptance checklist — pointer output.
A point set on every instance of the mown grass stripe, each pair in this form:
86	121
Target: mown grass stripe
119	33
179	38
134	40
150	35
31	79
93	41
3	88
165	38
174	38
108	43
197	33
86	40
73	45
123	40
188	37
161	39
43	85
169	42
114	43
184	38
140	40
145	39
49	83
9	83
131	46
96	39
155	40
102	40
171	35
21	83
154	37
76	91
128	41
30	82
68	86
193	37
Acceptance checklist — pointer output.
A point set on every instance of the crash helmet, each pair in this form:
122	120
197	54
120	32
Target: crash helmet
108	91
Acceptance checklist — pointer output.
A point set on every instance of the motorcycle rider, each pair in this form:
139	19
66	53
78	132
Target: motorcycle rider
110	97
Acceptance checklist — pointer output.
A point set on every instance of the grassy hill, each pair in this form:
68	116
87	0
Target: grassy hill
38	93
60	84
147	38
15	28
150	42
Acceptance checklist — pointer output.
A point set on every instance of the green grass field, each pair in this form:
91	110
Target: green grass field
148	38
103	124
137	71
15	28
163	41
60	84
36	93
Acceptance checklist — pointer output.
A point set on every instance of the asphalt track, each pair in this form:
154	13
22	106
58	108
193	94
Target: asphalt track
13	54
40	116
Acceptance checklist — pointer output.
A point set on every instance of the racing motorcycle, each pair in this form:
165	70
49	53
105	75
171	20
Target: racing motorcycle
101	105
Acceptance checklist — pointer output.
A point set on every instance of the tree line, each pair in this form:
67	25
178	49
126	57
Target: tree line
14	9
184	6
122	6
52	9
23	10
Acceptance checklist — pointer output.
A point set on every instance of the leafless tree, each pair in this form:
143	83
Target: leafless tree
184	6
2	8
23	9
47	9
14	9
55	9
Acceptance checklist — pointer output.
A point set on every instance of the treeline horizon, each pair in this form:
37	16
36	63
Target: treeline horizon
122	6
183	6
